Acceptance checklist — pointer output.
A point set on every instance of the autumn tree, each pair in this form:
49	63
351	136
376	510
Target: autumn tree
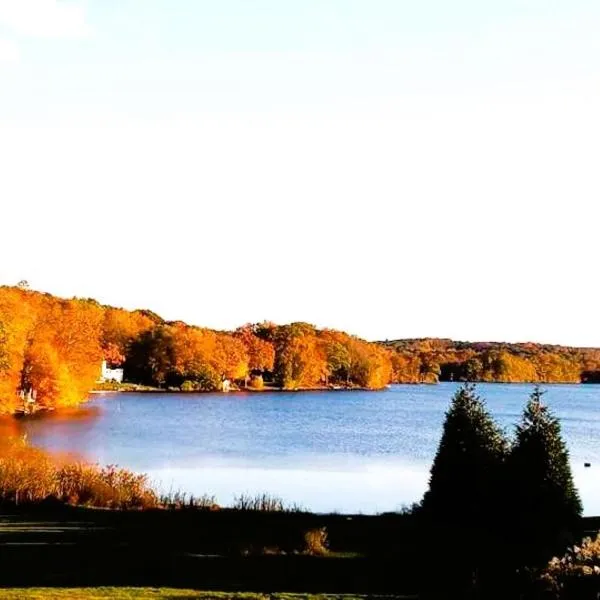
339	362
120	328
473	369
352	361
554	367
260	351
4	363
194	356
370	366
113	356
151	357
299	357
231	358
18	314
49	377
52	347
63	351
406	367
267	330
429	369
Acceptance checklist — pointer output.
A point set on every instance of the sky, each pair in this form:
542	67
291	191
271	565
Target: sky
387	167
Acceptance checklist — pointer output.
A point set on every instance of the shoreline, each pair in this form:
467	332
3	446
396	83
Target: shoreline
139	389
236	391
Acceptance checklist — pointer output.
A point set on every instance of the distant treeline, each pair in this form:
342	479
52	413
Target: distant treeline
53	348
432	359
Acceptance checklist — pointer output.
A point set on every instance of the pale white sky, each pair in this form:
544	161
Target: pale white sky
390	168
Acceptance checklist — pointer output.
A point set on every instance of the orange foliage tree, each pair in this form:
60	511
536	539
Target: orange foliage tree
261	352
120	328
300	360
51	347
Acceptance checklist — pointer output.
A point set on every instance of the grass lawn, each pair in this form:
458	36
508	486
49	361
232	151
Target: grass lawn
116	593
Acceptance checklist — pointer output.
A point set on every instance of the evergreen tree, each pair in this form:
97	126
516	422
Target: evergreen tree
467	469
461	507
546	507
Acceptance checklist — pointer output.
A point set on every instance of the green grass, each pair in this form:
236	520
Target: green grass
115	593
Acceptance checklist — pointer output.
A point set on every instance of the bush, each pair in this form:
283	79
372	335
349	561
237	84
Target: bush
256	382
574	575
315	541
30	475
202	379
26	474
108	487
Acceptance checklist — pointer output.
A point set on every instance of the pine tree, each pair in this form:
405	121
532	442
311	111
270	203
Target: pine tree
460	509
467	469
546	507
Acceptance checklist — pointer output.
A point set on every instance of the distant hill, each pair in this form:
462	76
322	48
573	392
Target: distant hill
441	359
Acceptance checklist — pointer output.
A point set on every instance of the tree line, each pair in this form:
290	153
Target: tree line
429	360
53	347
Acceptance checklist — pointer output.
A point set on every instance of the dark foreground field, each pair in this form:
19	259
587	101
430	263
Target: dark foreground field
113	593
226	550
221	550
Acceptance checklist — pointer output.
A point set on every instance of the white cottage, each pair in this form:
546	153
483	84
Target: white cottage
107	374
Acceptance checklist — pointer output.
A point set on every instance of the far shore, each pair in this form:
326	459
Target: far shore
127	389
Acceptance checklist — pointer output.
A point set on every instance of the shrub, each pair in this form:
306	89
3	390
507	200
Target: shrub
205	379
256	382
26	474
108	487
30	475
574	575
188	386
315	541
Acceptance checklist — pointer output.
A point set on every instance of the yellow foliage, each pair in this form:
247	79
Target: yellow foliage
29	474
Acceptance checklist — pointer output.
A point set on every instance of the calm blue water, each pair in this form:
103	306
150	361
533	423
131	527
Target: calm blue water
344	451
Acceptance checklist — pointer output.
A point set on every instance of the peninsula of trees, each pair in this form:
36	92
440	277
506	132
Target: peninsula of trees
54	347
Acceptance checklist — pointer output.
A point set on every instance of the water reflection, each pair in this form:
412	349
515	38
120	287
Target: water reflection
372	489
9	428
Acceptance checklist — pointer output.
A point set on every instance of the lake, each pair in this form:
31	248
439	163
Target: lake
340	451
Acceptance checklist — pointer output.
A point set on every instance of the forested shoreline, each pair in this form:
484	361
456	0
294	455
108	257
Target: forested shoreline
429	360
52	348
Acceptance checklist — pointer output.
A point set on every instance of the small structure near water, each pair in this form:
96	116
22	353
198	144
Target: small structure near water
106	374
